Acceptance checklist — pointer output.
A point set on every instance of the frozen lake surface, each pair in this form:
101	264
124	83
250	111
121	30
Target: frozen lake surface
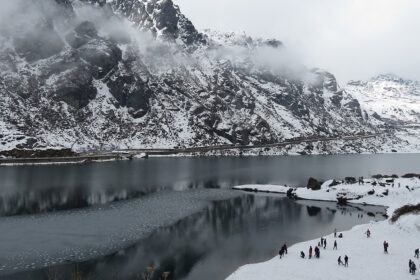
69	236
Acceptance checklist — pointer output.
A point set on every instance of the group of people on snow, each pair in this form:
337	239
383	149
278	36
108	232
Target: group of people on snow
283	250
411	265
323	244
346	261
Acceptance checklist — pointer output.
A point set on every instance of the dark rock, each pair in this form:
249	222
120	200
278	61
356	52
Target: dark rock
342	200
291	193
354	106
350	180
103	55
410	175
130	91
314	184
75	87
274	43
27	153
337	98
334	183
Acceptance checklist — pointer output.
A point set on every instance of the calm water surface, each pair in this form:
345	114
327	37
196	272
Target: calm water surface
210	244
34	189
215	242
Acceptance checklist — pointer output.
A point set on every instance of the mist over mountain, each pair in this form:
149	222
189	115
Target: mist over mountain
96	74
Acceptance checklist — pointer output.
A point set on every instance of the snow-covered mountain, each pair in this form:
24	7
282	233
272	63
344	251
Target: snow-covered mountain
136	73
389	97
393	101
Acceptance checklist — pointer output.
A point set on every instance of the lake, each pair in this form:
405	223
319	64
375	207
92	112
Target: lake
204	240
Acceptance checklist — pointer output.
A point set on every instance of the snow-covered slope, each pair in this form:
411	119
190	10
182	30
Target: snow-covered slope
389	97
92	74
393	103
367	259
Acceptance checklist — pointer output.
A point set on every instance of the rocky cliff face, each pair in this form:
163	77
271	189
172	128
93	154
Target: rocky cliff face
73	81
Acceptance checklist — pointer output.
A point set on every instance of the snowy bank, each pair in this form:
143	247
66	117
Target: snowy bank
389	192
367	259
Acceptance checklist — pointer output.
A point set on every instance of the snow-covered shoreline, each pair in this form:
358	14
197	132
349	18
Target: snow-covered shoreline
366	257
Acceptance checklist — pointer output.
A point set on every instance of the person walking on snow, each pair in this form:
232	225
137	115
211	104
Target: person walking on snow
325	243
335	245
335	233
302	254
386	247
368	233
285	248
410	266
310	252
340	262
281	252
346	261
416	253
317	252
413	268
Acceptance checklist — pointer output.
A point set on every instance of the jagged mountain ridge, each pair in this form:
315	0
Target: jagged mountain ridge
90	89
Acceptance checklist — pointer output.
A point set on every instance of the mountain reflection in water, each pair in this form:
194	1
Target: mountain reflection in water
39	189
213	243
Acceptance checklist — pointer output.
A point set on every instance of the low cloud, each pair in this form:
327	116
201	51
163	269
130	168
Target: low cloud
354	39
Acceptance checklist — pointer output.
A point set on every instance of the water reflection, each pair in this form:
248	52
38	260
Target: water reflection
213	243
34	189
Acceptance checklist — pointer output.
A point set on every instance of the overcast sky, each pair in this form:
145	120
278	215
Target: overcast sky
354	39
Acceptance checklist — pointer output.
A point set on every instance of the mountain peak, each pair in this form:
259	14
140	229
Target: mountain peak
388	77
161	17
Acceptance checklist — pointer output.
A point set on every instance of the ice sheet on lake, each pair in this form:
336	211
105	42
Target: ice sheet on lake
30	242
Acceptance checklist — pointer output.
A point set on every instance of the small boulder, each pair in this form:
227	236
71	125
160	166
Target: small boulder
314	184
350	180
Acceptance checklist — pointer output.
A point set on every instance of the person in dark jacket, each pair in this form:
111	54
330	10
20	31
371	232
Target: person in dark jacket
416	253
346	261
335	245
340	262
325	243
410	266
285	248
413	268
281	253
302	254
386	247
310	252
317	252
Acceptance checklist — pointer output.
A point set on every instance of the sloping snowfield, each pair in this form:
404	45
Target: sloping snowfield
367	259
